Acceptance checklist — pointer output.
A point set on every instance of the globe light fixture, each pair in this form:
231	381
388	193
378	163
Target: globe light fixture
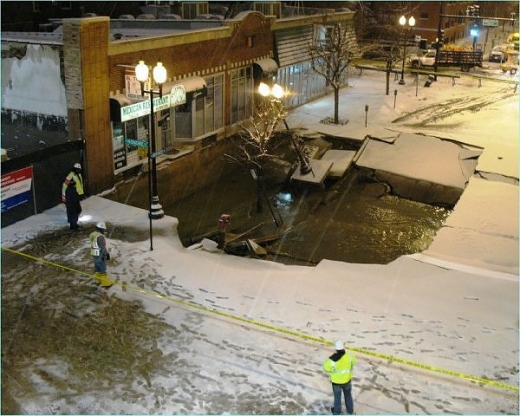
142	72
411	23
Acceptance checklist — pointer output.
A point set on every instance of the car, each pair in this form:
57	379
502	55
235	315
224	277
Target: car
498	53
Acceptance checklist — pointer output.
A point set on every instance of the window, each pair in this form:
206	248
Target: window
133	131
37	6
203	113
268	8
190	10
241	94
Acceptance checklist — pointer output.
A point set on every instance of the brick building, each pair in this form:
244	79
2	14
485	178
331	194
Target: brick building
218	63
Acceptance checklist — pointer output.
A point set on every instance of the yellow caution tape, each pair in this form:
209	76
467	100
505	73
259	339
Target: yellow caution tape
296	334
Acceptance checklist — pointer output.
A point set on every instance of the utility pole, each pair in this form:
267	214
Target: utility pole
437	46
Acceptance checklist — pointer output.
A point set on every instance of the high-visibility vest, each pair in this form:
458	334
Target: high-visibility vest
95	250
78	179
341	370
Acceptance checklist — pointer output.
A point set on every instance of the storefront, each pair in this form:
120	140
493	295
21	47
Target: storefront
295	73
189	110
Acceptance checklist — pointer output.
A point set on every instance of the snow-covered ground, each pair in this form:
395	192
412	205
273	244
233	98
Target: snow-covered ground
250	337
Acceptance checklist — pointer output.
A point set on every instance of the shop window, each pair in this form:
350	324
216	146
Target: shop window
241	94
126	139
203	113
183	121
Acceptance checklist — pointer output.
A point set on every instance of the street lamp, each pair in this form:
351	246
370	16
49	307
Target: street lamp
411	23
159	76
277	92
474	33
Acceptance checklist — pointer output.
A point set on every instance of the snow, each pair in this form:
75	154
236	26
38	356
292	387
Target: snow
252	335
33	83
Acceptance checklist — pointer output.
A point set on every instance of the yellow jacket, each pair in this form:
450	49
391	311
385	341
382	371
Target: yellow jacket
78	179
339	366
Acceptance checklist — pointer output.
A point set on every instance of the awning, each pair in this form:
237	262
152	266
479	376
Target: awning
195	87
264	66
116	102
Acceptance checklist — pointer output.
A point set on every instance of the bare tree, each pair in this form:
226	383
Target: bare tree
254	142
330	56
388	51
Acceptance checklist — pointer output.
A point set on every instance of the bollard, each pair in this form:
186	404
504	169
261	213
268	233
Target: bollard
366	114
429	81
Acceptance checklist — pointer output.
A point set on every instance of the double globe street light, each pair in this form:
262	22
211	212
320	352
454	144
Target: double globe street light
403	22
277	92
159	76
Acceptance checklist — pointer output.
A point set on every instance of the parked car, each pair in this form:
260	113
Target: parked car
498	53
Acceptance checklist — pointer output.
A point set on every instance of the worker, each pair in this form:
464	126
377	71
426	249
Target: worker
73	206
74	175
339	366
99	253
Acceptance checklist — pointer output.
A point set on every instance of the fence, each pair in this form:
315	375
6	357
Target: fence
50	166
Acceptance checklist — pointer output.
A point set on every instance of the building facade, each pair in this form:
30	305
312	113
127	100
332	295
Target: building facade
213	70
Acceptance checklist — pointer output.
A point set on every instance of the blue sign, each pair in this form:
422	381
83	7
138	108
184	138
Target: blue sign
138	143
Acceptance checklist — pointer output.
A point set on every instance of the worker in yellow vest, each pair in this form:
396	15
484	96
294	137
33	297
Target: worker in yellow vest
74	175
339	366
99	253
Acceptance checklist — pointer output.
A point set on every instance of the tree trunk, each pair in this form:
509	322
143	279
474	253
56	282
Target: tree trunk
388	71
336	105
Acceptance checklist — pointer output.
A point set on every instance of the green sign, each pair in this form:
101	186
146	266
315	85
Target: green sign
489	22
176	97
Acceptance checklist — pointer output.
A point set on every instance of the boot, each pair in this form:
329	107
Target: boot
103	279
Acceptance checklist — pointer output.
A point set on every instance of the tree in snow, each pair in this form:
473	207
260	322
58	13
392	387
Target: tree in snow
255	146
330	54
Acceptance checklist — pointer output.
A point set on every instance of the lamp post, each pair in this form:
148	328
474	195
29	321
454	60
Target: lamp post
276	93
474	33
159	76
403	22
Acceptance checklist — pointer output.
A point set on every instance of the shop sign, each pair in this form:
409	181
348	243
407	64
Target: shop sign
178	95
119	159
161	103
133	86
141	109
136	110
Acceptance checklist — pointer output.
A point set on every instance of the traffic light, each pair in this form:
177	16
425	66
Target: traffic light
441	38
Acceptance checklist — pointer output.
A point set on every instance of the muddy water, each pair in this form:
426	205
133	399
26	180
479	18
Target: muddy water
350	220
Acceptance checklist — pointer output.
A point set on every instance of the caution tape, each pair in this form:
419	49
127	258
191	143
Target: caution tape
389	358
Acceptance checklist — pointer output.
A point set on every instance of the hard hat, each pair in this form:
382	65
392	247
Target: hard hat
101	225
76	166
338	345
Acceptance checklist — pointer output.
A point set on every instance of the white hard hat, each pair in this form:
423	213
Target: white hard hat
76	166
338	345
101	225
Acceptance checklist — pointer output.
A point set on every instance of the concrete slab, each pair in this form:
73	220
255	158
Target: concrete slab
420	157
341	159
320	170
